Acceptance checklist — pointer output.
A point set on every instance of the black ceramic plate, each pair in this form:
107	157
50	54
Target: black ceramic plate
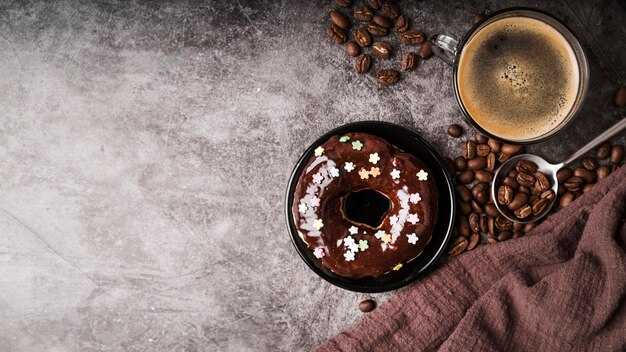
412	143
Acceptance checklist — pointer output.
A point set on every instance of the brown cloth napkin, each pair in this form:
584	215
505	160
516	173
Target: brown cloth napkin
560	288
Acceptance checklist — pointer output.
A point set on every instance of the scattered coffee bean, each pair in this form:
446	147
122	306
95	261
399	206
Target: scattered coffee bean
476	207
363	63
563	174
574	183
494	145
477	18
344	3
382	50
490	240
511	149
483	176
376	30
340	20
491	210
480	191
587	187
604	150
549	195
518	201
388	76
336	34
505	194
363	13
590	163
382	21
376	4
426	51
477	163
617	154
503	224
465	208
458	246
491	225
465	177
390	10
502	157
412	37
455	130
539	205
517	234
463	226
474	222
469	150
566	199
586	175
523	212
460	163
504	235
473	241
367	306
482	150
620	97
353	49
483	224
526	166
480	138
528	227
603	172
409	61
402	24
491	162
517	226
362	37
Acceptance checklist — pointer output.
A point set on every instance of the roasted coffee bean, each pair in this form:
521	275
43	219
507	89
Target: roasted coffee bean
457	246
510	181
494	145
455	130
526	166
549	195
524	212
482	175
426	51
412	37
463	226
578	193
483	224
340	20
460	163
477	18
464	208
362	37
388	76
511	149
620	97
505	194
482	150
409	61
502	157
449	166
586	175
491	210
491	162
517	226
491	226
402	24
528	227
363	13
587	187
617	154
473	220
469	150
382	21
541	181
476	207
376	30
503	224
480	191
532	198
604	150
381	49
517	234
518	201
490	240
336	34
523	189
603	172
473	241
376	4
525	179
363	63
464	194
477	163
353	49
512	173
564	174
480	138
367	305
504	235
573	184
390	10
566	199
561	189
539	205
465	177
344	3
590	163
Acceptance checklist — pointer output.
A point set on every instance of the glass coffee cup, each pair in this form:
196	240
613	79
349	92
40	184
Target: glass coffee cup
520	75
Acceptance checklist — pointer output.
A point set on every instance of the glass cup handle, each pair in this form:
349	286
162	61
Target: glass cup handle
444	47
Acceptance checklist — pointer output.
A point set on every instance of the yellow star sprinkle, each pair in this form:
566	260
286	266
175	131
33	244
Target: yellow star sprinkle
374	171
387	238
318	224
319	151
397	267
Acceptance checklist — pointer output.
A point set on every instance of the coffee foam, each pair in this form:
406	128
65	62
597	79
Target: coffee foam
518	78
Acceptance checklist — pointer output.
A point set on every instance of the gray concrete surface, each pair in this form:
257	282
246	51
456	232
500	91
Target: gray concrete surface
145	148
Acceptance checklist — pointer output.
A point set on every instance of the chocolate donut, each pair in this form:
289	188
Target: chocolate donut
344	181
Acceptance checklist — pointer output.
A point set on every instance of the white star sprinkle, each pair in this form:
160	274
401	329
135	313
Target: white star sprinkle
349	166
422	175
353	230
317	178
374	158
349	255
412	238
395	174
302	208
354	247
379	234
334	172
348	241
413	219
393	219
415	198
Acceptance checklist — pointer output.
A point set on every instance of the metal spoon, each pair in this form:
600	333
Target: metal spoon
548	169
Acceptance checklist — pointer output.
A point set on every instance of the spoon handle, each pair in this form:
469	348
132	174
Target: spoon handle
612	131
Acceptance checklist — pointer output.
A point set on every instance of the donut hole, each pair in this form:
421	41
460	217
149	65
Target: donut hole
366	207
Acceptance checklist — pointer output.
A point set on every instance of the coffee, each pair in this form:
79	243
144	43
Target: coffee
518	78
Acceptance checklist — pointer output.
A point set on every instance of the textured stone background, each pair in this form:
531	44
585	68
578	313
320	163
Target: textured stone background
145	148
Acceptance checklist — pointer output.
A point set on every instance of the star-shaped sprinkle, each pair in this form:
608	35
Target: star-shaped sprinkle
363	245
302	208
349	255
319	151
364	174
415	198
412	238
317	178
374	171
374	158
315	202
422	175
357	145
334	172
348	241
319	252
344	139
353	230
386	238
413	219
318	224
349	166
354	247
393	219
397	267
379	234
395	174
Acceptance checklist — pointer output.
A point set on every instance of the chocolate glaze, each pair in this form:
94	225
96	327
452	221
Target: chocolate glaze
379	257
